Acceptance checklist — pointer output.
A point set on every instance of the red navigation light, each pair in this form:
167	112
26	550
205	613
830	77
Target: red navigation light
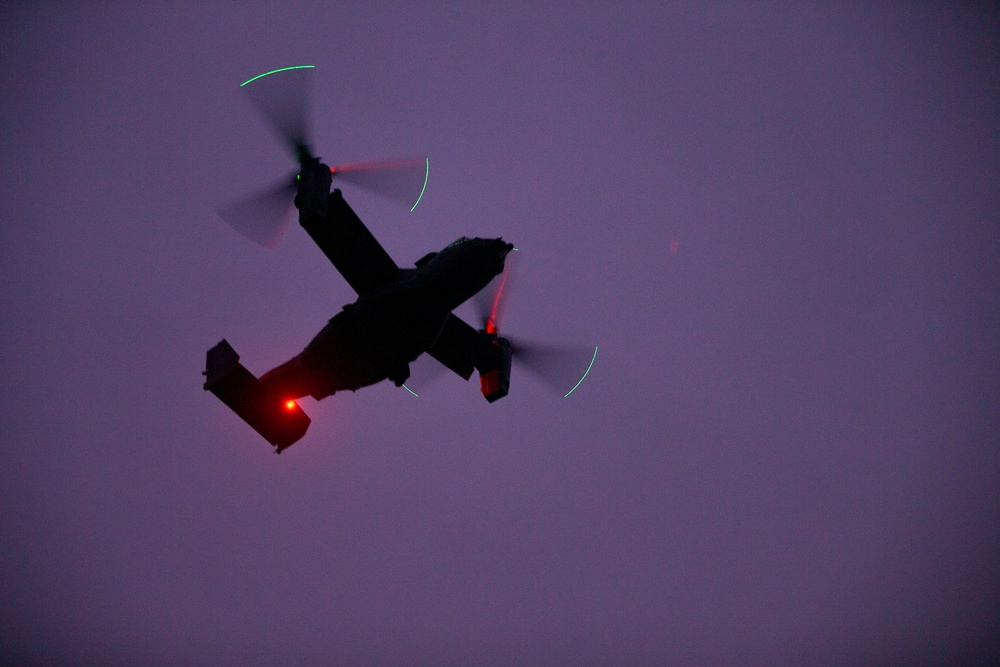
289	405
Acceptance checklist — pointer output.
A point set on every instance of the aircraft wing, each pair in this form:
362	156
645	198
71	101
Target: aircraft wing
346	241
463	349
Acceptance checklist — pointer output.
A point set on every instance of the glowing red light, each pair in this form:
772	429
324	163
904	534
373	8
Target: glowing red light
491	322
489	382
289	405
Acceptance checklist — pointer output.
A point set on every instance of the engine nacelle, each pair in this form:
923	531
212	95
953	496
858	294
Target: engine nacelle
495	383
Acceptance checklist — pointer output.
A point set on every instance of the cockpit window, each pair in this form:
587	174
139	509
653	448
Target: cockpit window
458	241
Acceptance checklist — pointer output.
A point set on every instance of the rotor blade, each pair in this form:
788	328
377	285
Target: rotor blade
402	181
262	217
559	367
491	301
280	97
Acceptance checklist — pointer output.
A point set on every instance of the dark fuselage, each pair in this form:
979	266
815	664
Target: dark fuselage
376	337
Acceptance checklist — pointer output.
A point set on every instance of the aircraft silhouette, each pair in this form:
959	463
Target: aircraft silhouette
400	313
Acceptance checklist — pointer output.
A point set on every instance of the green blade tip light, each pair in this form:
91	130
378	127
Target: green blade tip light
585	373
275	71
427	173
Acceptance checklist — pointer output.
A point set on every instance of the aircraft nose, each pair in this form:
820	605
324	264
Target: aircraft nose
503	248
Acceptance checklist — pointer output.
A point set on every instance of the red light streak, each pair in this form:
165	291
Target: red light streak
491	322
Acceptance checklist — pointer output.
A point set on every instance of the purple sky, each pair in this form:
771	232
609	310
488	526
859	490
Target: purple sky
787	450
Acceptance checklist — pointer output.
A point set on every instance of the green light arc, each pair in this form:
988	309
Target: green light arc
427	174
585	373
274	71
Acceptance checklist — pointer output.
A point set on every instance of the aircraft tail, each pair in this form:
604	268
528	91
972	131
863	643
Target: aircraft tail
281	422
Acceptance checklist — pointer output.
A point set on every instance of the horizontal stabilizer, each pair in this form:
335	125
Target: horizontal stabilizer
281	422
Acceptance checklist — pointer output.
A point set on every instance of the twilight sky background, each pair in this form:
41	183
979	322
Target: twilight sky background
787	450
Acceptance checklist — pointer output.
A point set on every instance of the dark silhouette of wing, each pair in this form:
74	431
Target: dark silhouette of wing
347	243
